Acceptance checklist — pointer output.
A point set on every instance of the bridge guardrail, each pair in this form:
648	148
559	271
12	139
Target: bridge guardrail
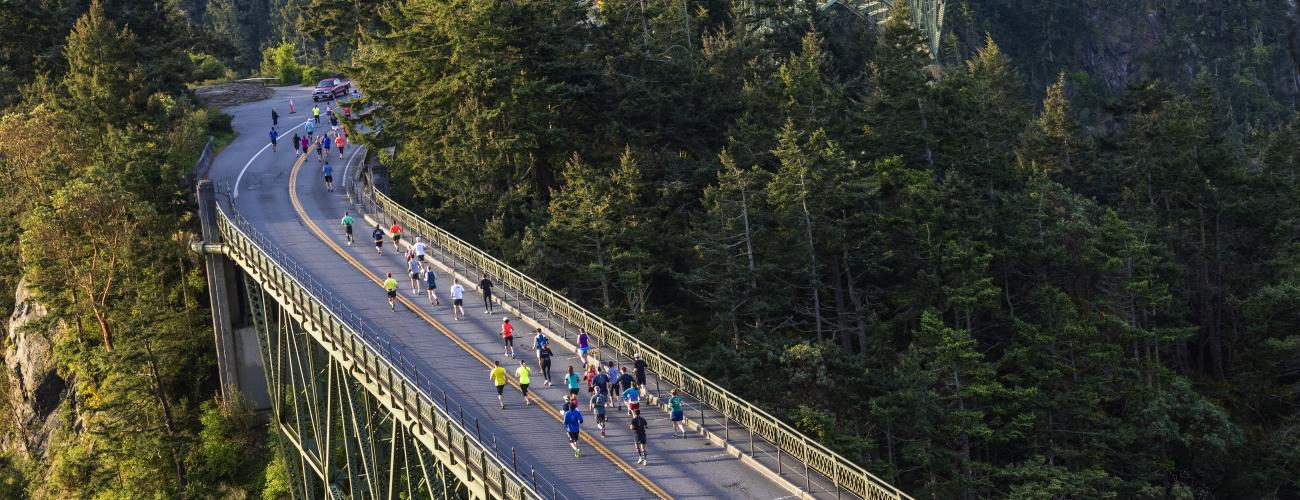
844	473
374	355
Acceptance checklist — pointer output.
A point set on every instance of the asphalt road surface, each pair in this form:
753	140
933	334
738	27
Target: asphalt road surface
455	354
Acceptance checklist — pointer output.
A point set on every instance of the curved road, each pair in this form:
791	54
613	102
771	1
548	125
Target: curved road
284	197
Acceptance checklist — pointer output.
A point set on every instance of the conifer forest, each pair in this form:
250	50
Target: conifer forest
1059	257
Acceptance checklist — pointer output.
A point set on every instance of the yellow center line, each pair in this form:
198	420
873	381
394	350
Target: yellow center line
374	277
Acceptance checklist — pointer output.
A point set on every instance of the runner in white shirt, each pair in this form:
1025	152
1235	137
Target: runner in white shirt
419	249
458	301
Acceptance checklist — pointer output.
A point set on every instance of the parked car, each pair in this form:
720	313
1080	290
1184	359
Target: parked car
331	88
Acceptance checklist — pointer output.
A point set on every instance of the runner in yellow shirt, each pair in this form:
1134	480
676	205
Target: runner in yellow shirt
522	374
498	376
390	285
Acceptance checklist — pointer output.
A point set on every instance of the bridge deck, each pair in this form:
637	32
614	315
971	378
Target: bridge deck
455	354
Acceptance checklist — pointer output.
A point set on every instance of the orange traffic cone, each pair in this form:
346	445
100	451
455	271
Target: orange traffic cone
291	106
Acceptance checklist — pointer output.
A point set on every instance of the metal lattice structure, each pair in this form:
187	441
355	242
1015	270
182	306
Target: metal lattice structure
927	15
351	421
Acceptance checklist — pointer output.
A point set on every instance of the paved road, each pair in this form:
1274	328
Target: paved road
455	354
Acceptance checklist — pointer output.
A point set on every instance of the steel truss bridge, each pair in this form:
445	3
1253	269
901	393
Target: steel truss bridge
371	403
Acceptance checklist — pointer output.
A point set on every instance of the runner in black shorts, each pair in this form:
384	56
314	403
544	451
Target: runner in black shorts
347	226
378	235
486	286
638	426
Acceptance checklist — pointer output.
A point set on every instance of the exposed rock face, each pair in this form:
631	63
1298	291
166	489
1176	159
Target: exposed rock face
35	390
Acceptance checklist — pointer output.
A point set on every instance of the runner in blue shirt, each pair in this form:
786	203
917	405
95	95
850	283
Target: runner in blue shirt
275	136
675	402
573	424
539	342
614	390
633	397
602	382
329	176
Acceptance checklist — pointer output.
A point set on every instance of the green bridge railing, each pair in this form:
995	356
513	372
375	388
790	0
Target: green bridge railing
842	474
479	469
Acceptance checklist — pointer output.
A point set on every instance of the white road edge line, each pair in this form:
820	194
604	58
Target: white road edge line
348	165
259	153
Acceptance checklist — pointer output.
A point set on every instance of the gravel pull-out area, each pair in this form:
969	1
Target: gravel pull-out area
230	94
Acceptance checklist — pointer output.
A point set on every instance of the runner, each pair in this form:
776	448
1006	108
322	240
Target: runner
583	345
329	176
347	226
431	280
327	142
573	423
305	142
297	146
275	136
590	376
614	385
334	122
457	300
675	402
413	269
486	286
418	249
498	376
638	426
572	380
544	356
396	231
378	235
539	341
625	382
311	128
275	118
638	368
633	397
597	406
320	148
339	143
523	373
390	285
315	113
602	381
508	336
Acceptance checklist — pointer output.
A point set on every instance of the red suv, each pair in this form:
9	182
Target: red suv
331	88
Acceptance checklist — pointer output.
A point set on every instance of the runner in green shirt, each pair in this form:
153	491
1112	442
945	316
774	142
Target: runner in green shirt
347	226
522	373
390	285
679	426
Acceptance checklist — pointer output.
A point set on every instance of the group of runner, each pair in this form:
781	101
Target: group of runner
335	138
608	386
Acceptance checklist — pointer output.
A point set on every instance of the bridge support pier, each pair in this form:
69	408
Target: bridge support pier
239	366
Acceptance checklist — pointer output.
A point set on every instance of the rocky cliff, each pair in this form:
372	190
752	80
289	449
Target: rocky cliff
35	395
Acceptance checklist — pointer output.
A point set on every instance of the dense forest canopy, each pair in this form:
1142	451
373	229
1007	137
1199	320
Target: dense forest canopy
1059	259
100	131
1012	269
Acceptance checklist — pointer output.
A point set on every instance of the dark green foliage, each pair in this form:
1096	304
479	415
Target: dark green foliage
972	295
99	218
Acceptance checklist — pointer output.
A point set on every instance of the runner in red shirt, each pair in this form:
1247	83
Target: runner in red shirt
396	231
508	336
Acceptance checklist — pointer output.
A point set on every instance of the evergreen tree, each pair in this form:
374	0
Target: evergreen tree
104	79
895	111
